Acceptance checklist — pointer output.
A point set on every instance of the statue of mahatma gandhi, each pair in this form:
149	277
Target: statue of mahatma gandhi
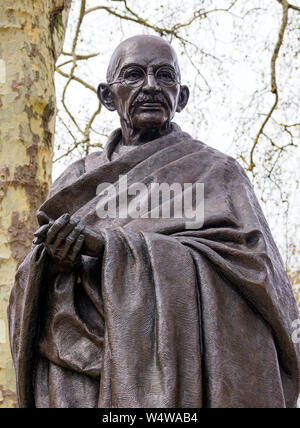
145	311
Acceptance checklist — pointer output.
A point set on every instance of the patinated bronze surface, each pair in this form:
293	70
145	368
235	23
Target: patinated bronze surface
123	312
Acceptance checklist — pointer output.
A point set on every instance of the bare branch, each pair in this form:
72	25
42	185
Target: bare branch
66	126
76	58
274	88
173	31
89	126
81	56
260	132
80	18
64	103
290	126
291	6
70	150
199	14
197	69
77	79
90	123
70	77
278	45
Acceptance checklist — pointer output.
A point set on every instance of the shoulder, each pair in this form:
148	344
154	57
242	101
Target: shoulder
70	174
74	171
215	159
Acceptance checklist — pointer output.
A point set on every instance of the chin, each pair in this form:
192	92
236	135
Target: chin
149	121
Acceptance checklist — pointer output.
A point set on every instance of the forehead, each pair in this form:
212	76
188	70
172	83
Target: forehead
144	53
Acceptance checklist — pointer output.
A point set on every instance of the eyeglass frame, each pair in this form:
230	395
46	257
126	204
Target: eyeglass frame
123	80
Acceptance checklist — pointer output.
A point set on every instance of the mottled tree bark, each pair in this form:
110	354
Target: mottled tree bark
31	34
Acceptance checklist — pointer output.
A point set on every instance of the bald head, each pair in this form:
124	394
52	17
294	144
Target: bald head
143	86
142	49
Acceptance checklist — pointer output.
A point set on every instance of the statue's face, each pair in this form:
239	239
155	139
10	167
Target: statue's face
145	88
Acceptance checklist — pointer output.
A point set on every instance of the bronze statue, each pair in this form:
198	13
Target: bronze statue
147	312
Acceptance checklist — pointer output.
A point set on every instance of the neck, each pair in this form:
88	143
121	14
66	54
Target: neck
134	137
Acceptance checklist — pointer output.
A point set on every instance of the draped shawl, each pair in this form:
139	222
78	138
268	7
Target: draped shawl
165	317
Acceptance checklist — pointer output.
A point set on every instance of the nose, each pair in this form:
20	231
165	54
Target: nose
150	84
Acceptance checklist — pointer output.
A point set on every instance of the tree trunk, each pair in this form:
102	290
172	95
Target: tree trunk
32	34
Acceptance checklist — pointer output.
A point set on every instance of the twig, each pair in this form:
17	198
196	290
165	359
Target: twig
77	79
290	126
160	30
274	88
69	151
76	58
89	126
66	126
81	56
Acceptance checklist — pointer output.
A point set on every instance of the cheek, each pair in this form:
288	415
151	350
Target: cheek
172	96
123	97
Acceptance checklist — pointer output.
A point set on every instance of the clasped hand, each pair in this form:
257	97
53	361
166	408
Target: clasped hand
67	238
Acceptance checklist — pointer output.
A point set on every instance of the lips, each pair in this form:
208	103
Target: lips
147	105
151	105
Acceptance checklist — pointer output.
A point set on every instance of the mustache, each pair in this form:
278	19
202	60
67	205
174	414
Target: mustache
155	98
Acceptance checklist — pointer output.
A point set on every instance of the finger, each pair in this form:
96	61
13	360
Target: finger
56	227
42	218
38	240
70	239
76	248
62	234
42	231
40	234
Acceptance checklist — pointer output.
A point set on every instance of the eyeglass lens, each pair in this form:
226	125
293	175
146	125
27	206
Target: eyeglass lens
135	76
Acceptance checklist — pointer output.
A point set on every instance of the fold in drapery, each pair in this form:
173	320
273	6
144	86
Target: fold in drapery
166	317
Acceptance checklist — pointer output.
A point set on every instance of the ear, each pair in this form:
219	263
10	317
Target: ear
104	95
184	96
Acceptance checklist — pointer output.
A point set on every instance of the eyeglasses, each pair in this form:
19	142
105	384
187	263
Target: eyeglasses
136	76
